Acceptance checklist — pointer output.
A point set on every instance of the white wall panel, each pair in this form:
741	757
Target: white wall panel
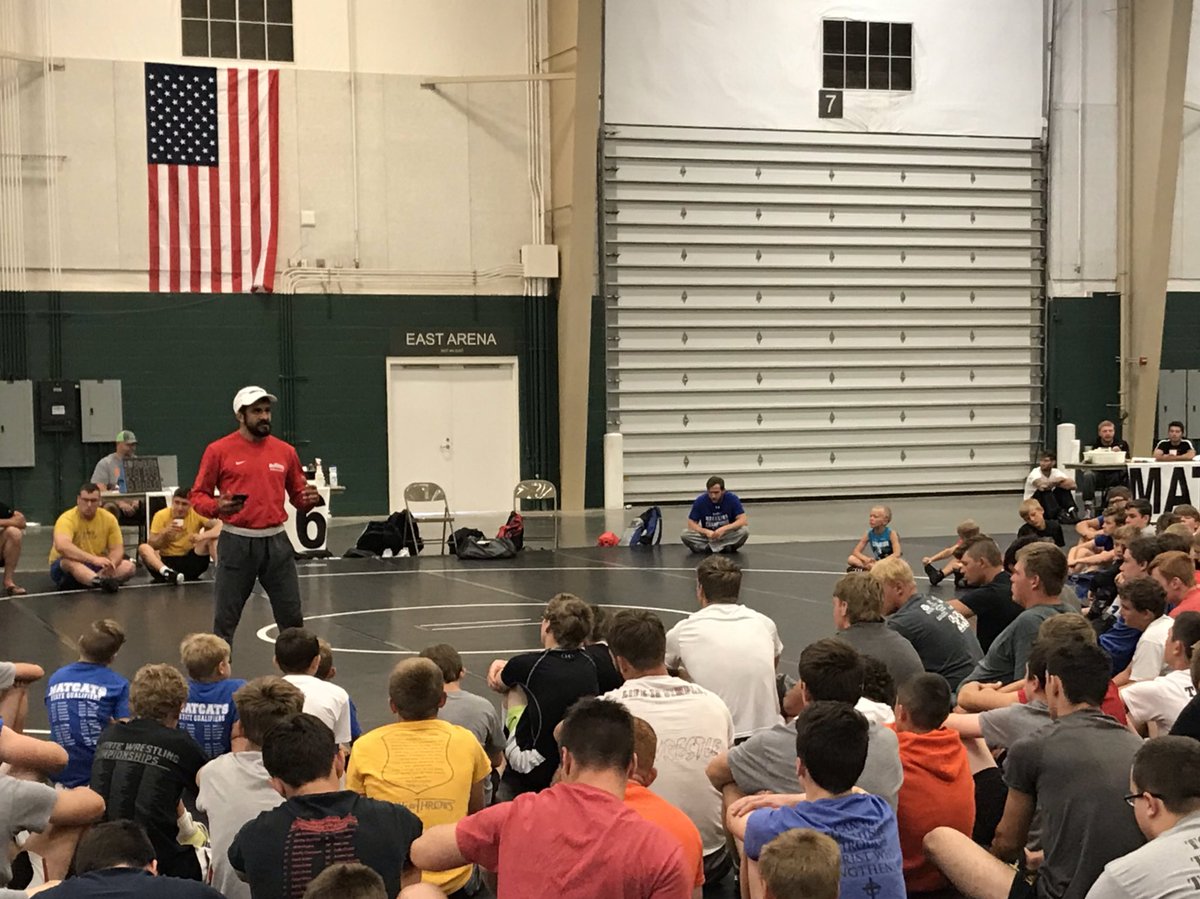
977	65
397	37
442	183
808	313
1083	156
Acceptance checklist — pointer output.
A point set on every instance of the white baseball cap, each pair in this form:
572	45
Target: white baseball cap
248	396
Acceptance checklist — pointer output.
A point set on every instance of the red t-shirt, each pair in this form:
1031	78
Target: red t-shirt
264	470
573	841
1189	603
1112	704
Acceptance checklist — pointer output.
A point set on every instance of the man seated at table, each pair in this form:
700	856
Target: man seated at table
88	550
1175	448
181	542
717	522
1103	481
109	474
1052	487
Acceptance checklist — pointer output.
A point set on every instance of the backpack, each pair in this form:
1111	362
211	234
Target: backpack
646	529
410	534
514	530
461	536
477	548
391	534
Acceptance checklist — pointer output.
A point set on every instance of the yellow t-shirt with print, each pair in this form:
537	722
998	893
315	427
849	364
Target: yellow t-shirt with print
193	523
428	767
95	536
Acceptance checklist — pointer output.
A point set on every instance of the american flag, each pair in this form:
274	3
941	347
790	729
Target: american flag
212	148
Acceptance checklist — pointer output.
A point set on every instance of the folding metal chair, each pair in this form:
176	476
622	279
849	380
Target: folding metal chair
429	492
537	491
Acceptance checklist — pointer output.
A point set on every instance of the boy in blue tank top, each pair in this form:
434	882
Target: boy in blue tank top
879	541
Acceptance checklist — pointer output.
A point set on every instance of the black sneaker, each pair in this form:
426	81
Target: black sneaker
109	584
171	576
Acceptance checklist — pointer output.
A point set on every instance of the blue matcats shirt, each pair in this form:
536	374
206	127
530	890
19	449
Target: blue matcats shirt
209	714
82	699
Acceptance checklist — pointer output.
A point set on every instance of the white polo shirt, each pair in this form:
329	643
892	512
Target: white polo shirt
327	701
1159	700
730	650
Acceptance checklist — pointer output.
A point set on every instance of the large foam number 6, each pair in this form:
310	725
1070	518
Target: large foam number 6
311	527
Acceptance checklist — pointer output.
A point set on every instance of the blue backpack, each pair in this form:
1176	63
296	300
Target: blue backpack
646	529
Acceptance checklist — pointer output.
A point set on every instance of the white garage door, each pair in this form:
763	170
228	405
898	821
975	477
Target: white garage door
813	314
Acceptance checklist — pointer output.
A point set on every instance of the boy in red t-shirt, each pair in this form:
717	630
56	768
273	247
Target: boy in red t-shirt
588	842
938	790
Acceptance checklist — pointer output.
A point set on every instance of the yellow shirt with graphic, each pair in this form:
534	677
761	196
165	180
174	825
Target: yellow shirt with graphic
95	536
193	523
428	767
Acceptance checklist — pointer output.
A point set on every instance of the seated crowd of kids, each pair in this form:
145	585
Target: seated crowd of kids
1036	733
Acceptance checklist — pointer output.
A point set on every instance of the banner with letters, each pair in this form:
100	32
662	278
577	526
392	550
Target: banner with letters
1165	484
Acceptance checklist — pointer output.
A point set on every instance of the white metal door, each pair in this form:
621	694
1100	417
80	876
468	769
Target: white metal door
822	313
456	424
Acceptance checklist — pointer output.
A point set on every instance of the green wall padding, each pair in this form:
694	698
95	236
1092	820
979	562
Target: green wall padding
180	359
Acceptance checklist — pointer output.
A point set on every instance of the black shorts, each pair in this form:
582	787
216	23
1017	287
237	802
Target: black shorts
1024	886
190	566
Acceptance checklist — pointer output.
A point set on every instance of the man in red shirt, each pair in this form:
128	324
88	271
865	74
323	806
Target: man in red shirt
252	471
576	839
1176	574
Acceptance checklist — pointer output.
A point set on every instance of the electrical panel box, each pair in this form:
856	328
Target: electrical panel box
16	424
101	414
58	406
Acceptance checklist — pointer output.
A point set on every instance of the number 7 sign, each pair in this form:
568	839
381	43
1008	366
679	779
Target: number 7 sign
829	104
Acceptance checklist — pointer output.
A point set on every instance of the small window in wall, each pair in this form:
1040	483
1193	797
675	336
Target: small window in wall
875	56
238	29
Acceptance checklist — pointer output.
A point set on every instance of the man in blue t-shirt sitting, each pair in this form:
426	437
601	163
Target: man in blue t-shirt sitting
717	522
831	752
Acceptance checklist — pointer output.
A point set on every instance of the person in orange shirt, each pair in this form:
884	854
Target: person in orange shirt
657	810
938	790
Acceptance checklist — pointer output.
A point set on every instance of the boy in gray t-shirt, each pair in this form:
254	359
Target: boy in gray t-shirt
235	787
1163	795
1005	659
1072	775
475	713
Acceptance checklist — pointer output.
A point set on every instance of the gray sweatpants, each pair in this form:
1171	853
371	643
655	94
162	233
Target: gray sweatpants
243	560
730	542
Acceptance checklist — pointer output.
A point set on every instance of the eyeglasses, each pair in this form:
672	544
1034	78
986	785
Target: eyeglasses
1131	798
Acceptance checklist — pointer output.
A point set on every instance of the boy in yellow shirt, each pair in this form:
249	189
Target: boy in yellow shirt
88	550
181	542
434	768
